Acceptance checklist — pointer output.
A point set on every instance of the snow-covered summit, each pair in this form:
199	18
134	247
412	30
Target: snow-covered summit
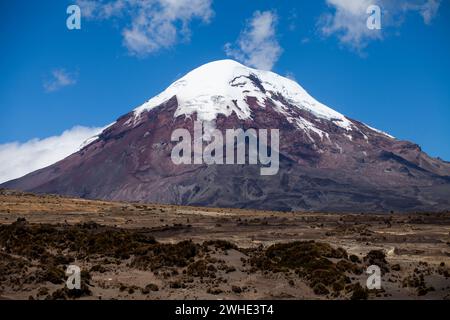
222	87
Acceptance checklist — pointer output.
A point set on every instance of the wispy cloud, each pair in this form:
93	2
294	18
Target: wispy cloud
257	45
151	25
290	75
18	159
348	22
428	9
347	19
58	79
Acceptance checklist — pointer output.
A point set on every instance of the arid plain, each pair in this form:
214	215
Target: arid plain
148	251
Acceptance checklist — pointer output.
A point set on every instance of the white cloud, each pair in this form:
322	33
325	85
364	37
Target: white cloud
347	19
18	159
428	9
59	79
291	75
153	24
305	40
257	45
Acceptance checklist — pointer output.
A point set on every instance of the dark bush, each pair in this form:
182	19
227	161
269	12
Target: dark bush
359	293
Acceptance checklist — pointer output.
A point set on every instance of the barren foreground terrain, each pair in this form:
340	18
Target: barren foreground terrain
146	251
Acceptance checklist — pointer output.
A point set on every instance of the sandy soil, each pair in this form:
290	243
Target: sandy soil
415	249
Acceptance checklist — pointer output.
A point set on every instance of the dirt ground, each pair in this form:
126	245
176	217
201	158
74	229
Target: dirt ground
147	251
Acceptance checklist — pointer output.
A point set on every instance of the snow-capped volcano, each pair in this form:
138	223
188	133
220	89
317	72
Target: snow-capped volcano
223	87
328	162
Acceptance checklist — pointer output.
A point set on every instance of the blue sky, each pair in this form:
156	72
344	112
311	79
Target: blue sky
396	79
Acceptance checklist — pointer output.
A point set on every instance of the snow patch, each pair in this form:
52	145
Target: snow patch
379	131
222	87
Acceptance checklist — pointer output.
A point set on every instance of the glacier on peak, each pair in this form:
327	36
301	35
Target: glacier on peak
221	87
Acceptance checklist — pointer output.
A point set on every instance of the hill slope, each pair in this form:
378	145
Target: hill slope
328	162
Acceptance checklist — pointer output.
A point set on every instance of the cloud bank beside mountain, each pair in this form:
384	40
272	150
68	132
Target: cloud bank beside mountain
19	159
